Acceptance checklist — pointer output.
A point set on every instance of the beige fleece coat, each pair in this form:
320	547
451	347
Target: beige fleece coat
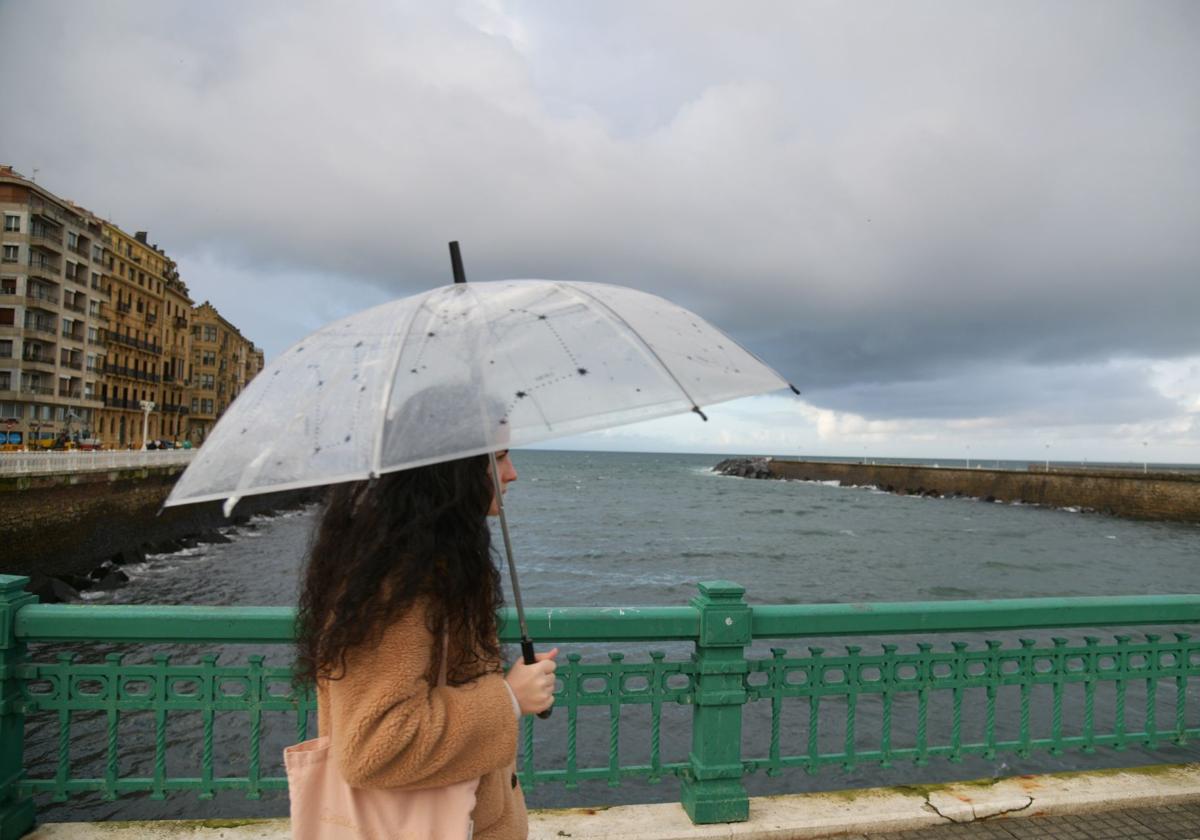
390	728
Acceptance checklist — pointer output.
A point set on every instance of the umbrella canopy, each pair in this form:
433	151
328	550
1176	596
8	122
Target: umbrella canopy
461	370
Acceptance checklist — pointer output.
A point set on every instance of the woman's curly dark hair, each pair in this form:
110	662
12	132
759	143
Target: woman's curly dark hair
418	533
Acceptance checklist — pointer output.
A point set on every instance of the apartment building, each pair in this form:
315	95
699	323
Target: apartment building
53	303
223	362
177	354
135	275
99	336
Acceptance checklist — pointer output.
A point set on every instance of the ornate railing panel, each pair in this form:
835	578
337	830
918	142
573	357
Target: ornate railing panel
973	689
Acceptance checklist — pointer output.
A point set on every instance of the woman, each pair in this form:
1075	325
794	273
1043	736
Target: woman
400	569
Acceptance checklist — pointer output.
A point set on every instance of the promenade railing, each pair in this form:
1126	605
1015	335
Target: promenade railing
51	462
951	699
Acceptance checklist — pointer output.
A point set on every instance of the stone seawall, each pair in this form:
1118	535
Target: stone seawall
66	525
1159	496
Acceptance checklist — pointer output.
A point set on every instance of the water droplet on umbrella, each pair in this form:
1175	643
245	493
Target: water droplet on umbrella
347	438
581	371
360	344
521	395
299	349
430	335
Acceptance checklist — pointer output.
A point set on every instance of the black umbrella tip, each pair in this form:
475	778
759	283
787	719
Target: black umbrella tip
456	263
795	390
703	416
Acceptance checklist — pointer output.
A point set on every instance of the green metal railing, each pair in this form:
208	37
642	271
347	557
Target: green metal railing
957	699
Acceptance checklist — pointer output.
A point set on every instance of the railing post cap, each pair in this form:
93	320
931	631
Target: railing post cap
13	583
723	590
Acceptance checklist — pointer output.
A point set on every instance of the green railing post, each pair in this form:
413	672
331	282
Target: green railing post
16	814
712	790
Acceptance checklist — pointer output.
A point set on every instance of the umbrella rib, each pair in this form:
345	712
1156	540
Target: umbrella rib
649	349
389	385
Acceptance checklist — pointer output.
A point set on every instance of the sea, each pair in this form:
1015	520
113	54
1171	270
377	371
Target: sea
635	529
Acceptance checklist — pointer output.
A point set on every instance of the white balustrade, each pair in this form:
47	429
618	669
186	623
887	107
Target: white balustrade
45	463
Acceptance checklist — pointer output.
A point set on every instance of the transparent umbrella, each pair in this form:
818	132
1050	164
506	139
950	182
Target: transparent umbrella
462	370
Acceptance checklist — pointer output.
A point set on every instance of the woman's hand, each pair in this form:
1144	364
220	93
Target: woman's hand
533	685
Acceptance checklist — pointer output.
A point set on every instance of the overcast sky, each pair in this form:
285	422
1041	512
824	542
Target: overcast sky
961	228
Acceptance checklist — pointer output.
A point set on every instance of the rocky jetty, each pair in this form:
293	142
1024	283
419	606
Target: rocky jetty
746	468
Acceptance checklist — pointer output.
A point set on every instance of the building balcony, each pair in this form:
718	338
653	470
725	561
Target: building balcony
71	393
45	268
47	329
74	336
124	308
56	215
81	249
76	307
180	322
71	365
38	360
37	390
151	318
79	278
46	239
36	294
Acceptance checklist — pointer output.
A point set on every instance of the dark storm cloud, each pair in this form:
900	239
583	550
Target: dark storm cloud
867	195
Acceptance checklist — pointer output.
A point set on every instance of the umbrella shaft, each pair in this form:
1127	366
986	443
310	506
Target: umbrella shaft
508	552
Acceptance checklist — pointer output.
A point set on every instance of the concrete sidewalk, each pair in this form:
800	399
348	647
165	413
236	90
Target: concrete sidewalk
1149	802
1165	822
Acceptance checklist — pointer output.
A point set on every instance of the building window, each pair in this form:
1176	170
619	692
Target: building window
12	224
72	239
14	410
11	253
6	317
5	348
210	333
5	380
8	285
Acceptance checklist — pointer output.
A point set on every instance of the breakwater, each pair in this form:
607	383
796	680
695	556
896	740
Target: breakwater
1167	496
73	530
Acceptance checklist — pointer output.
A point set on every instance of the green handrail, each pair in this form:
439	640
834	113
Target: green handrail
275	625
972	697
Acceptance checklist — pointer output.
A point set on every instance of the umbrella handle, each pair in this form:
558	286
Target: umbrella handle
528	655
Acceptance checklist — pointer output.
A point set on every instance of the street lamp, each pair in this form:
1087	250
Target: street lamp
147	407
968	456
1145	461
1047	457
